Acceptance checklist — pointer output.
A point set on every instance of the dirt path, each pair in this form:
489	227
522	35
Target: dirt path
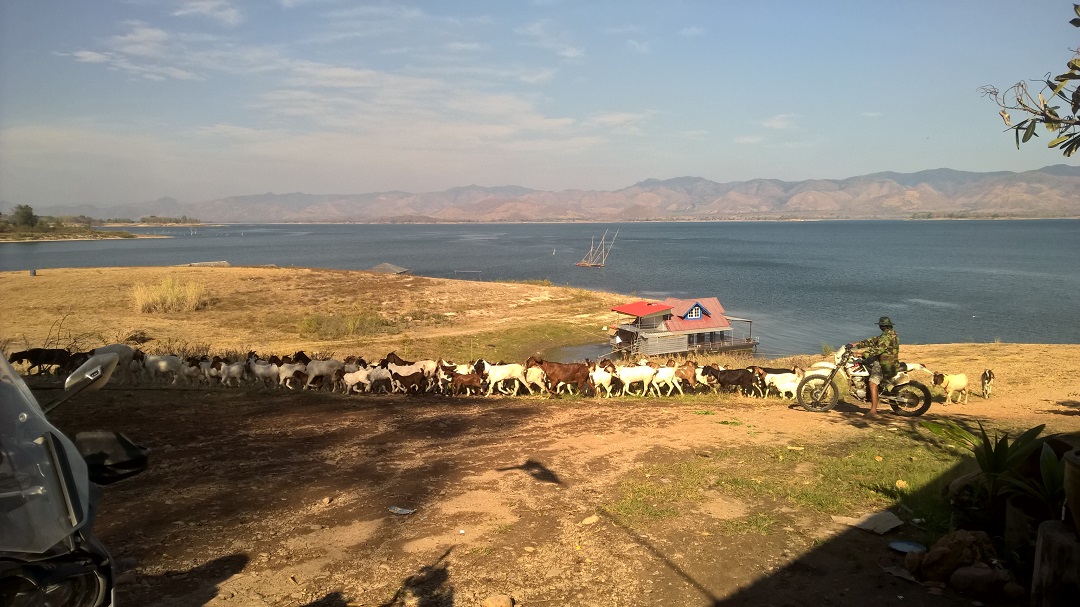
282	499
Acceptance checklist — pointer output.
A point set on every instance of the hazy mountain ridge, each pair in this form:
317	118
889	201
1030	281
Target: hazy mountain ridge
1052	191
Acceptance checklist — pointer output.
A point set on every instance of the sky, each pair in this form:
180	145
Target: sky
110	102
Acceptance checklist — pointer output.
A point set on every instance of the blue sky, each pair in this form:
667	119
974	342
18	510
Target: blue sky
117	101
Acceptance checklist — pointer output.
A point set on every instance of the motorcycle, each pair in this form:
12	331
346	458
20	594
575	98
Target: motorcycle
819	391
49	489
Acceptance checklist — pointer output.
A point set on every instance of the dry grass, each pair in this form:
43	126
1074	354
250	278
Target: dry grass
286	309
170	295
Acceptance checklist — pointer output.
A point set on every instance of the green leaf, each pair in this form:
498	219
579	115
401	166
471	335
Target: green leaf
1075	22
1058	141
1030	131
1076	9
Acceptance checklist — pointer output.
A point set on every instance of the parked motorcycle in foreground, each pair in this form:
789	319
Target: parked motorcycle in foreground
49	492
819	391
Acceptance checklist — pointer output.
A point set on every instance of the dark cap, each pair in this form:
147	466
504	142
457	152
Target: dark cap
884	321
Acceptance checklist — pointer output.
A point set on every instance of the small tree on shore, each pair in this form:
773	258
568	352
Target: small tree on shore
1037	109
22	215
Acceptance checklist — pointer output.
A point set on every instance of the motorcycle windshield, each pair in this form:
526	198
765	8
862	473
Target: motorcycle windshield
44	489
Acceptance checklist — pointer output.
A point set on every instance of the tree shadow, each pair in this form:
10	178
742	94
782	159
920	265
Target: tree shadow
1072	405
198	585
429	587
536	470
334	599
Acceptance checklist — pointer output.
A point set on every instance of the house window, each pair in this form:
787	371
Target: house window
694	313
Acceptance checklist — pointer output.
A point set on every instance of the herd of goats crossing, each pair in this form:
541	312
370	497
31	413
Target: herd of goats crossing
392	374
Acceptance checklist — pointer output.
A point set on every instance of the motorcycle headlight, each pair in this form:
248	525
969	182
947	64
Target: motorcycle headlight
81	590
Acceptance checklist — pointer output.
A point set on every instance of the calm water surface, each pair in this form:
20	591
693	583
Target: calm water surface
804	284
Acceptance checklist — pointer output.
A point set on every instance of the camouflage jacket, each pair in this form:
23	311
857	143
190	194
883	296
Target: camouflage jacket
885	346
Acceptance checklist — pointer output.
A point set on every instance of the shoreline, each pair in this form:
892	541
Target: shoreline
84	238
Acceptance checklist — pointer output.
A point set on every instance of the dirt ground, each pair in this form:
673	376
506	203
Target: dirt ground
257	498
261	498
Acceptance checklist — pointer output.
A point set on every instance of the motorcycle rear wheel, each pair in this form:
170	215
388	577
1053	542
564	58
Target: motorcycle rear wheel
909	400
816	393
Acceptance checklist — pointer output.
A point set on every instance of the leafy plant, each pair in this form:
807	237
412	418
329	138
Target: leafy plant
995	456
1048	489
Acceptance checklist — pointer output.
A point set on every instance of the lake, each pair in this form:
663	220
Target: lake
804	284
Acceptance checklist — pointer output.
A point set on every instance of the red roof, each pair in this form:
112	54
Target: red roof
641	308
712	315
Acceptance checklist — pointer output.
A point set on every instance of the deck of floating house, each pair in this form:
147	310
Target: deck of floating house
389	268
676	326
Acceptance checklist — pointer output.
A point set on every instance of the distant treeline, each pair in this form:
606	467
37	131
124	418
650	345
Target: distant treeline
156	219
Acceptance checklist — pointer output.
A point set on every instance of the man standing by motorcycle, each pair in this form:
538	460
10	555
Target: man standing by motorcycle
882	356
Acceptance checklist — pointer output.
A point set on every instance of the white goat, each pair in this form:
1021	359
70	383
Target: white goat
952	383
166	369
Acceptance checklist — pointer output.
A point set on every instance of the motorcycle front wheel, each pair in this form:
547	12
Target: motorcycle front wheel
909	400
816	393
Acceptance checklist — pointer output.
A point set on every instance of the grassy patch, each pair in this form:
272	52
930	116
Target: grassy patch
848	478
759	524
170	295
337	326
660	492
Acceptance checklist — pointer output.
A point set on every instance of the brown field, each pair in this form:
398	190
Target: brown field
281	498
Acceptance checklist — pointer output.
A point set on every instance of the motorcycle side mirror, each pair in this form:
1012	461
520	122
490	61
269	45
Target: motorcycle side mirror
110	456
91	375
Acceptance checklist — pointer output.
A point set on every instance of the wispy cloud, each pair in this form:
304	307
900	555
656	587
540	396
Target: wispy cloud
748	139
141	41
690	32
221	11
638	46
539	34
780	122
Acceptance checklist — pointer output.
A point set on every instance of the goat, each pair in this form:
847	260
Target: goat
788	378
571	374
494	374
952	383
690	373
413	383
466	382
630	375
125	354
41	358
164	368
324	369
601	378
264	372
987	382
665	376
535	376
744	380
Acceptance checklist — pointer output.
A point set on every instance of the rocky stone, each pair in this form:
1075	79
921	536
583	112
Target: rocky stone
498	600
955	550
978	579
1015	593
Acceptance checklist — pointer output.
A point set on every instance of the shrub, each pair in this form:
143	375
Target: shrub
336	326
170	295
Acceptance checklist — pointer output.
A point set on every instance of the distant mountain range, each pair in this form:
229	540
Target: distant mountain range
1052	191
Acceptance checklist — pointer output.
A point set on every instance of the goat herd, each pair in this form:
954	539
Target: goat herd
392	374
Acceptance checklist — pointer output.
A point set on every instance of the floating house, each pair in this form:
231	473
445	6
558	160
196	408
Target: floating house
676	326
389	268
